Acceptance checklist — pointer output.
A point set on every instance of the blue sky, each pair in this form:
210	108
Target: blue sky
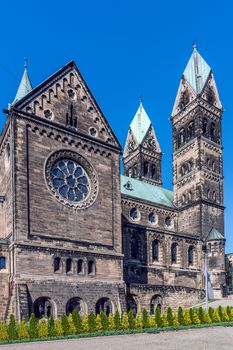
124	48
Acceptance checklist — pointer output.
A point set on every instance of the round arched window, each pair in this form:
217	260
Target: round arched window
168	221
153	219
71	179
134	214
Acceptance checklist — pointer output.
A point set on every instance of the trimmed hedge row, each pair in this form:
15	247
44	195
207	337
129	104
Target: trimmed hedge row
126	323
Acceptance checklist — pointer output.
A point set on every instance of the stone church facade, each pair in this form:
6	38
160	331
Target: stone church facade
74	233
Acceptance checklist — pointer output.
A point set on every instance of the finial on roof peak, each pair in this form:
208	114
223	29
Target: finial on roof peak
195	44
140	99
25	62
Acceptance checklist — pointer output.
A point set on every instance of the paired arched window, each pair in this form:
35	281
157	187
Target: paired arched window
2	262
145	168
212	131
105	305
153	171
190	255
134	248
43	308
191	130
80	266
91	267
76	304
181	137
174	253
57	264
155	250
68	265
204	126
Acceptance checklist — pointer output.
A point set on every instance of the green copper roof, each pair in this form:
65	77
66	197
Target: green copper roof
197	71
214	234
145	191
24	87
140	124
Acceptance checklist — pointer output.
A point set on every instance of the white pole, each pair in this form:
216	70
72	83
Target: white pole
206	282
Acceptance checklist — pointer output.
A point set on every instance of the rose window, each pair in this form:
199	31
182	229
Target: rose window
70	180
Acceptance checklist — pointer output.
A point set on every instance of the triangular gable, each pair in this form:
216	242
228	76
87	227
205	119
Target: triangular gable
63	94
131	144
181	100
150	141
210	92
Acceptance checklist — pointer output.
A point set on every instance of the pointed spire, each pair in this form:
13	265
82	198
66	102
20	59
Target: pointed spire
140	123
197	71
25	85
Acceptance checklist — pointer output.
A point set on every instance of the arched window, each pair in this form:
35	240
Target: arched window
68	265
153	171
204	126
91	267
183	198
145	168
174	253
80	266
155	250
190	195
208	193
214	196
191	130
156	302
213	166
181	137
190	255
208	163
103	304
189	166
212	131
2	262
183	170
134	248
57	264
131	304
43	308
152	218
75	304
134	214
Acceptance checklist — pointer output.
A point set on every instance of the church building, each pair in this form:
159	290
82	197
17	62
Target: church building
76	234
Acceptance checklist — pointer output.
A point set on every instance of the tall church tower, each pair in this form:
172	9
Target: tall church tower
197	160
197	150
142	154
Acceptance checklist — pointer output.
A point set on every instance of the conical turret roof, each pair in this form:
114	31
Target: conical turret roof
140	124
24	87
197	71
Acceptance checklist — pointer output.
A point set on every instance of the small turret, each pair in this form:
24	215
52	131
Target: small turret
142	154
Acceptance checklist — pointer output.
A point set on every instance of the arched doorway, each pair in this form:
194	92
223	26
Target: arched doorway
105	305
156	301
75	304
43	308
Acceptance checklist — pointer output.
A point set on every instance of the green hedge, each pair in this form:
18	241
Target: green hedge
74	326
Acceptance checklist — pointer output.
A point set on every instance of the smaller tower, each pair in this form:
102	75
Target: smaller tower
142	154
25	85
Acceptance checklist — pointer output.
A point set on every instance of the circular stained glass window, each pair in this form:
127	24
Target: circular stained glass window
70	180
152	218
134	214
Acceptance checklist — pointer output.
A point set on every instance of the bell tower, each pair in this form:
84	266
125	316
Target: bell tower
197	150
142	154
